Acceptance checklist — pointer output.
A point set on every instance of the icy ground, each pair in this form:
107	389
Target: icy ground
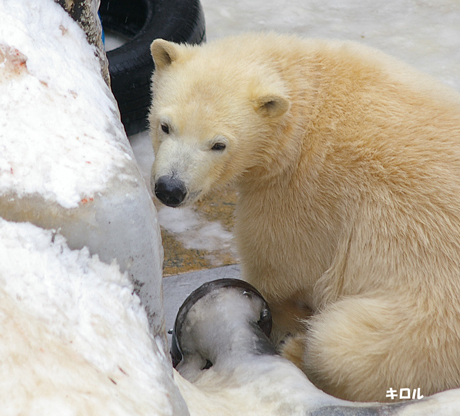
424	33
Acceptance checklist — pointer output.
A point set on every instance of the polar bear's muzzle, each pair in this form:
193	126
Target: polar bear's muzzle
171	191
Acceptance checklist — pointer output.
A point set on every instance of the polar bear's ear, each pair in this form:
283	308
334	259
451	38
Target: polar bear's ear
164	53
272	105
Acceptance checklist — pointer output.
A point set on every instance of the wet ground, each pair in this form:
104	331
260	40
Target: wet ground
199	237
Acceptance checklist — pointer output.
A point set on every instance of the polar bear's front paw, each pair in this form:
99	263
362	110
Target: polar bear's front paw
292	348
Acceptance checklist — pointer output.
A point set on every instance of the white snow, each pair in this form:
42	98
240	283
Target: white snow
423	33
56	114
75	339
192	230
65	161
114	40
143	152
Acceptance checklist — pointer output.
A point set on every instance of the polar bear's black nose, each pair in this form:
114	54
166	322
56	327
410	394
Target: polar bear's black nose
170	191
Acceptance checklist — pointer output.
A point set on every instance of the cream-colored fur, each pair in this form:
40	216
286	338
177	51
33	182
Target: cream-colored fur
347	164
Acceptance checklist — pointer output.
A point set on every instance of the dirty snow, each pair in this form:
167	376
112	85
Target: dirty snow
193	231
75	337
56	114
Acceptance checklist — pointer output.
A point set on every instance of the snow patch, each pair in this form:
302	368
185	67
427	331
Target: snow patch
57	116
425	34
193	231
75	339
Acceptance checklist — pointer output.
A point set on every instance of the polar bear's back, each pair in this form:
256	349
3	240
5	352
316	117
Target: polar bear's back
288	51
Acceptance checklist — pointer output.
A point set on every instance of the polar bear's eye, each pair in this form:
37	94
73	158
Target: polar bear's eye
165	128
218	147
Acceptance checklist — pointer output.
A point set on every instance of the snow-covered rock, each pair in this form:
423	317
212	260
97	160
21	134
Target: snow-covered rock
75	340
65	161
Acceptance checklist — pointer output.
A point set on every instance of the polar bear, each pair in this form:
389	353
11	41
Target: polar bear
347	166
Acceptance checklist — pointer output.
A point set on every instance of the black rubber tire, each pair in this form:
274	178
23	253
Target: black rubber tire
131	64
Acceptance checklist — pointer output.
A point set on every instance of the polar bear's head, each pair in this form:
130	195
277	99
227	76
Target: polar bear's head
214	113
